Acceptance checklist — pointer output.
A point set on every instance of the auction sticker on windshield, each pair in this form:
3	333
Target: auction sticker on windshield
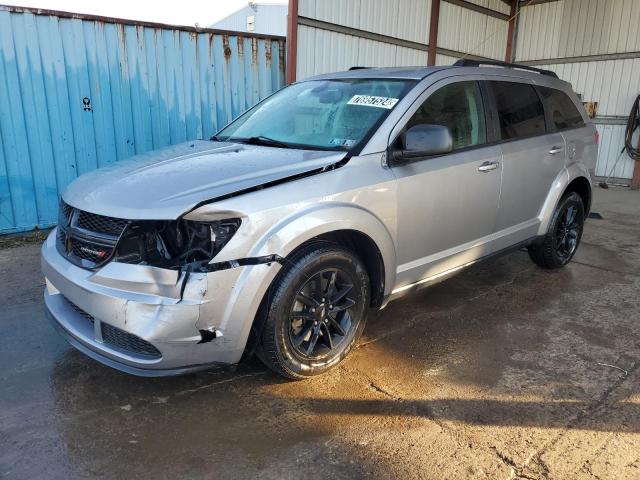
373	101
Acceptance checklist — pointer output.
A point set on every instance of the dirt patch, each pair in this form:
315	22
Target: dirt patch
22	239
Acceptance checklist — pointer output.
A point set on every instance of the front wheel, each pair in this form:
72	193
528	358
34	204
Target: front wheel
559	245
316	312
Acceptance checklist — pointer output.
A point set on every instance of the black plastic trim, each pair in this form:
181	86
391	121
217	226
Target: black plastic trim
466	62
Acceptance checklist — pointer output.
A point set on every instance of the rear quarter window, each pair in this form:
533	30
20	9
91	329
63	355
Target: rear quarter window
519	109
561	111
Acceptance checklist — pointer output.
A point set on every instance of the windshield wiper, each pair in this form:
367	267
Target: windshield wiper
262	140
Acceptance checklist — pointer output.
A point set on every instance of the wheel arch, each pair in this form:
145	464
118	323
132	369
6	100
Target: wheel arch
574	178
365	248
582	187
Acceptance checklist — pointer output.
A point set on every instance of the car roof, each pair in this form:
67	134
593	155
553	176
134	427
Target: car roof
418	73
409	73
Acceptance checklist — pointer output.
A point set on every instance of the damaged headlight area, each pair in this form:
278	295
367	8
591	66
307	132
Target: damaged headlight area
174	244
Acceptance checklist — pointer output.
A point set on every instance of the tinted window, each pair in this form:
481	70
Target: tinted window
458	107
561	110
520	111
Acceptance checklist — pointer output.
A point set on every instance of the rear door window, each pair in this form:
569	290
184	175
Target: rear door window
520	111
561	111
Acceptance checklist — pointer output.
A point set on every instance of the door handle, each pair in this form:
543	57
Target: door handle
555	150
488	166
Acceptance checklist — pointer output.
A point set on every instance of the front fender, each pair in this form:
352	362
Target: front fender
558	187
292	231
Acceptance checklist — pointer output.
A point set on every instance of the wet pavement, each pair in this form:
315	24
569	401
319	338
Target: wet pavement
505	371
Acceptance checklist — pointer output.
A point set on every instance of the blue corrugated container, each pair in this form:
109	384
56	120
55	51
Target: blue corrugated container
78	92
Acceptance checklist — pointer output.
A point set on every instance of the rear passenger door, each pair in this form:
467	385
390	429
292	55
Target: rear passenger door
563	116
532	157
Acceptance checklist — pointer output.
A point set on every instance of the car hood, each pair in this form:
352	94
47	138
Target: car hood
163	184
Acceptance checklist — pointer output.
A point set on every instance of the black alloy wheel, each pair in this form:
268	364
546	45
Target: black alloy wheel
321	315
314	312
561	242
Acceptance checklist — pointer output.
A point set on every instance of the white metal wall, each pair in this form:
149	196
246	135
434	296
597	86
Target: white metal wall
573	28
461	30
322	51
467	31
599	30
405	19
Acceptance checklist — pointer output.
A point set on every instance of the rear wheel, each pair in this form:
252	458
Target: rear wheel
316	313
563	237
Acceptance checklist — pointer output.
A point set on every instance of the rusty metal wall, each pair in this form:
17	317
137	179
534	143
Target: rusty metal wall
595	45
81	92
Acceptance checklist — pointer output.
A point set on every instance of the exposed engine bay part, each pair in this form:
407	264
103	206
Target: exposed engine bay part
177	245
241	262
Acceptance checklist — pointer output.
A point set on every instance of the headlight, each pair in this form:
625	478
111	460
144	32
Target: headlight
174	244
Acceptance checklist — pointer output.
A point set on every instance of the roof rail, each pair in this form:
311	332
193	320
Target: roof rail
357	68
465	62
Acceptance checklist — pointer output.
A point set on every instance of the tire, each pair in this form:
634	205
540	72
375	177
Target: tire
287	343
560	243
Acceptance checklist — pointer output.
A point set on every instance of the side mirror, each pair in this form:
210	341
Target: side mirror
423	141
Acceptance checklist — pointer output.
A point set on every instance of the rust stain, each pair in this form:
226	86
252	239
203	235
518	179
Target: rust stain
123	35
267	52
281	56
240	47
226	48
254	51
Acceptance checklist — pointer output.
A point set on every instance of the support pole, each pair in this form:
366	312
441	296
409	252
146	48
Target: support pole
434	21
511	32
292	41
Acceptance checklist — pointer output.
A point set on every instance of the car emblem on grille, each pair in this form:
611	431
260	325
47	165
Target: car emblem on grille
91	251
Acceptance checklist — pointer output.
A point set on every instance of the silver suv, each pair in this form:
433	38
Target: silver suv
331	197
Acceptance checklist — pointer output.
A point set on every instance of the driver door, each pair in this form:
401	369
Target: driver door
447	204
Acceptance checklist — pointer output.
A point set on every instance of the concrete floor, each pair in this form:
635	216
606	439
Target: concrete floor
505	371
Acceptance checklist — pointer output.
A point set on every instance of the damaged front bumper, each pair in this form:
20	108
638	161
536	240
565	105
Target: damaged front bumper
150	321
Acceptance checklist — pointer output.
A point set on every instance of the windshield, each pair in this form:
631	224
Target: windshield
319	114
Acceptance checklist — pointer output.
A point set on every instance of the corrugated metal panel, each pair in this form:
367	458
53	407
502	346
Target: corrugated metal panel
611	142
322	51
77	94
572	28
497	5
405	19
269	19
467	31
442	60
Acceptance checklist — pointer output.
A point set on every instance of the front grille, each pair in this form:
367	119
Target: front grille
87	239
101	224
65	211
128	342
89	251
